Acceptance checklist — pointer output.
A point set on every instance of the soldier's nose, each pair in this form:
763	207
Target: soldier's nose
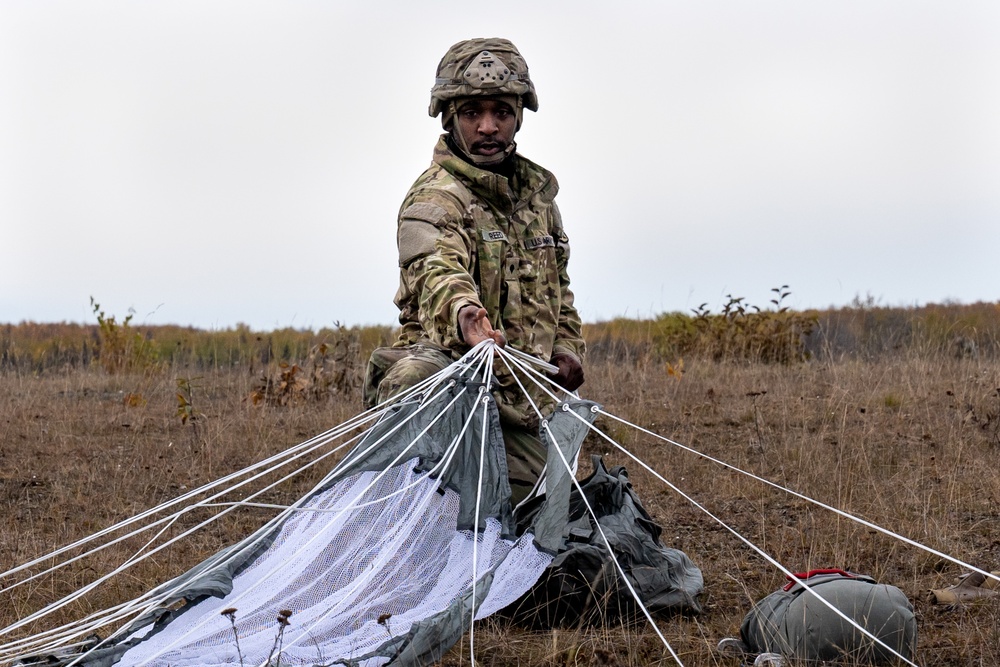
488	126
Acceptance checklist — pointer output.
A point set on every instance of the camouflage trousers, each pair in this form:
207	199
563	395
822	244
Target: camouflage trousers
392	370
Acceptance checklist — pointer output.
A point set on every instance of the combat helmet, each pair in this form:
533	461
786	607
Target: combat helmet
482	66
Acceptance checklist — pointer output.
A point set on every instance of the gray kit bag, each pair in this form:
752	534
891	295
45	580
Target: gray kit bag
795	624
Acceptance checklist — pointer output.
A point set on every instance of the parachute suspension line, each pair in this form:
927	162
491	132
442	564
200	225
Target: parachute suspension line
839	512
540	482
13	649
740	537
352	456
524	356
539	486
453	447
524	392
122	611
444	464
539	379
531	374
483	400
291	453
105	617
348	594
607	543
480	357
441	465
169	519
127	609
426	386
384	554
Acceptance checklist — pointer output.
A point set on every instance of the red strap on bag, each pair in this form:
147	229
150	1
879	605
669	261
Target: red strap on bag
794	579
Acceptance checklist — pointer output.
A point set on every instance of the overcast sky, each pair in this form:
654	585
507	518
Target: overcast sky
210	163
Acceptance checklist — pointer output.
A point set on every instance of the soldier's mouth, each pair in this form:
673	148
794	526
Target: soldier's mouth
488	148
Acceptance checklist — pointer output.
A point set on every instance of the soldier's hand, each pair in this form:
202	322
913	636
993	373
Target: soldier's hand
570	375
475	326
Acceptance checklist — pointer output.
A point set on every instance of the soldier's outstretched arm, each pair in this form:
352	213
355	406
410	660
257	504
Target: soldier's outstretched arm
435	258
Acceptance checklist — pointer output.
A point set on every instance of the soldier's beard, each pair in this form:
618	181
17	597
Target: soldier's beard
483	160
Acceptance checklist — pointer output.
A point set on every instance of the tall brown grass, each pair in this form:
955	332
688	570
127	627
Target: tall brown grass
740	332
905	435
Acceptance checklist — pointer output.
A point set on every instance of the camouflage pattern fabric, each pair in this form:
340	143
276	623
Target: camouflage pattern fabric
471	237
458	73
410	366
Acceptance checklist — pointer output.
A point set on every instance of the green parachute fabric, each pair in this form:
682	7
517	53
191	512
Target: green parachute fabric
582	585
390	558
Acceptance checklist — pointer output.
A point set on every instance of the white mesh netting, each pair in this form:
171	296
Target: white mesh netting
353	555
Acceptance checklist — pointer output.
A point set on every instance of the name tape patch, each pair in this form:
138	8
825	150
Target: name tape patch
494	235
539	242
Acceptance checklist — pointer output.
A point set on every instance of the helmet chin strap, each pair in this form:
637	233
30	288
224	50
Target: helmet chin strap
483	160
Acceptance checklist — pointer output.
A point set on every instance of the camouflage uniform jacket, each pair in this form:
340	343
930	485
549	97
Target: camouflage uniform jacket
468	236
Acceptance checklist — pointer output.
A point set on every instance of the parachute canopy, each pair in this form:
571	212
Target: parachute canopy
390	558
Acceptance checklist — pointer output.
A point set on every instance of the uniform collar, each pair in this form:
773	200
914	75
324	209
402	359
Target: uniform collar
495	188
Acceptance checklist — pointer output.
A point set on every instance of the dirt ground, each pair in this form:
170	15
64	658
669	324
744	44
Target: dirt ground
911	444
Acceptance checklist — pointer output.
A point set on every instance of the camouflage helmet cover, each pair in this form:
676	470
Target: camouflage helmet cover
482	66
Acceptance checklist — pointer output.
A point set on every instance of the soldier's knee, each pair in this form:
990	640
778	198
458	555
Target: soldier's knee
410	371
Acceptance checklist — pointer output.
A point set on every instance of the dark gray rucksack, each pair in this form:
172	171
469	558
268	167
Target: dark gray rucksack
582	586
793	623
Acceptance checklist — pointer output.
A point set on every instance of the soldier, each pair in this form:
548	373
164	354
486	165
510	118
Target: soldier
482	251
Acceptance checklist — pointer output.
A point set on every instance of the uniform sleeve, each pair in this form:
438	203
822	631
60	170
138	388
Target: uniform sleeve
569	334
436	256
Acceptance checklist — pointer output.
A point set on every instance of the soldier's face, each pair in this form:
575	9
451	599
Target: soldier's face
487	125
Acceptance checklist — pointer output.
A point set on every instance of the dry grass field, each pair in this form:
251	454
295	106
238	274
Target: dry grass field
909	441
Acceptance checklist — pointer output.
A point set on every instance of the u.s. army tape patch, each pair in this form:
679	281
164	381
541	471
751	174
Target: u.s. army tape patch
539	242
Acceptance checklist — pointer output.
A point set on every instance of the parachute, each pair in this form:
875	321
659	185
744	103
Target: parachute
388	560
398	550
